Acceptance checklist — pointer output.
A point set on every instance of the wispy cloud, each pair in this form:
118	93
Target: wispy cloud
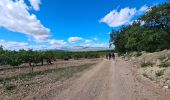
74	39
13	45
88	41
96	44
95	39
55	42
144	9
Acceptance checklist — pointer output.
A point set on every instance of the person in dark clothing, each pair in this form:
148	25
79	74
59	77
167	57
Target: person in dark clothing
113	56
106	56
110	56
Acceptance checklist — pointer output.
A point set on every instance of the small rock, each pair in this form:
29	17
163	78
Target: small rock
168	81
165	86
133	58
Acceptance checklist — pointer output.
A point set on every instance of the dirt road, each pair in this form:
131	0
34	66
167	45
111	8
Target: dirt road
109	80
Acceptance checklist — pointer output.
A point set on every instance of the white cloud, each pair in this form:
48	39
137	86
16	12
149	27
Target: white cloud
74	39
144	9
142	23
57	42
16	17
101	45
88	41
137	21
35	4
131	22
12	45
124	16
96	45
95	39
115	18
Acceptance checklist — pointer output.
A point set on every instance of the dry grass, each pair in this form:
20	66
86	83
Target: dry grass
154	66
147	64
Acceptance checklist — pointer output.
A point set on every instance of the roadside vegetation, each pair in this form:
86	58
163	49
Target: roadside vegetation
159	73
146	64
146	42
165	61
39	58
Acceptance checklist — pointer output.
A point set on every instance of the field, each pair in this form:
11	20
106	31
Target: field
16	83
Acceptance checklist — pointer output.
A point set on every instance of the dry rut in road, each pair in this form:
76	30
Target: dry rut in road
108	80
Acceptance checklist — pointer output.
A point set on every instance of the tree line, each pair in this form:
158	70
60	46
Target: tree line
33	58
16	58
151	32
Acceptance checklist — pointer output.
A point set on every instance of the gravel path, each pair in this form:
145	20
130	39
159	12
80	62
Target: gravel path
109	80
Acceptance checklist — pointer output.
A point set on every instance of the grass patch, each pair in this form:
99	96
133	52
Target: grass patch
65	73
165	61
164	64
138	54
159	73
162	58
165	58
146	64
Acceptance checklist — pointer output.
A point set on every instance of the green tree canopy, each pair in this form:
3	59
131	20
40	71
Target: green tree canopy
153	36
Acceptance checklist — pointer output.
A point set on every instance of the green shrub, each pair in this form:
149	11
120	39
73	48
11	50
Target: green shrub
159	73
164	64
10	87
165	58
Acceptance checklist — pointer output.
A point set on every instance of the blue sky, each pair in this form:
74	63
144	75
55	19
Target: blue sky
40	24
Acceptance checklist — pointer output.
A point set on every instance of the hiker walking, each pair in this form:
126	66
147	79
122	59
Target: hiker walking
110	56
113	56
106	56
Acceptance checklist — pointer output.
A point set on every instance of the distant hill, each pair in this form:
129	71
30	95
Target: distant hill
81	48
